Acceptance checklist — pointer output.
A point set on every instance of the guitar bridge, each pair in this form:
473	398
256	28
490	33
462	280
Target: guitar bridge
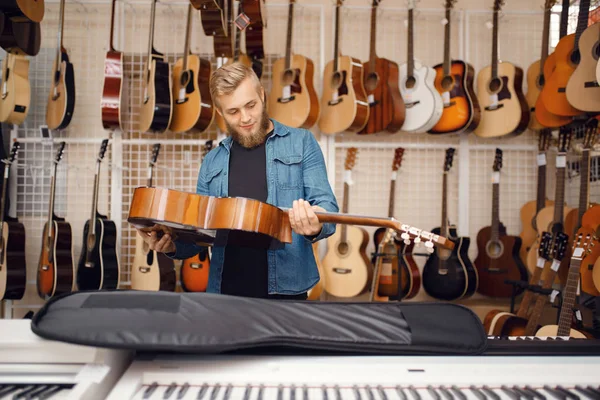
89	264
494	107
591	84
447	105
411	105
335	102
286	99
144	270
342	271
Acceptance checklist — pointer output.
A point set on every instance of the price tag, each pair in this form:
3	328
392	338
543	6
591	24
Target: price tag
5	172
287	92
149	172
578	315
540	262
394	175
553	295
371	99
92	372
541	159
555	265
348	177
561	161
496	177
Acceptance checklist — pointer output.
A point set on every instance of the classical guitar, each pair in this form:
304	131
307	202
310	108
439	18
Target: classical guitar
98	266
590	267
454	82
192	104
344	104
386	107
157	103
404	281
423	103
552	218
26	36
583	90
585	241
293	99
56	271
347	268
110	103
194	270
502	323
151	270
567	56
498	253
530	209
535	72
61	99
504	110
449	275
213	14
543	116
15	94
23	10
13	266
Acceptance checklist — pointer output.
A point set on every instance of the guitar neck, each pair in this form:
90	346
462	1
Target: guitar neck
447	43
582	21
111	42
95	200
584	186
541	186
336	50
559	197
288	41
495	46
151	37
373	44
344	210
392	197
52	195
569	295
188	32
4	194
61	22
444	225
564	18
495	212
410	50
545	39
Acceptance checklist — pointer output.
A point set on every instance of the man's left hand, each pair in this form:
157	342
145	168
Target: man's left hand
303	219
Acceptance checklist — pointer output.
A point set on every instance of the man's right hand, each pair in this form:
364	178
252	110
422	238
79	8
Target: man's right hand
162	245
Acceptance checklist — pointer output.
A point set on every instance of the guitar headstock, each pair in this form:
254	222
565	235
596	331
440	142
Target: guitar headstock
398	154
350	158
498	5
591	133
410	233
376	3
498	161
544	140
564	140
583	242
545	244
60	152
13	152
561	243
154	156
449	159
450	4
338	3
549	4
411	4
102	151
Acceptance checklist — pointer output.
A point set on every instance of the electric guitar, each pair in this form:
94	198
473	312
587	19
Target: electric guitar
423	103
347	268
15	95
449	275
56	271
504	110
23	10
152	270
293	99
157	103
113	82
98	266
192	104
344	104
498	253
454	82
61	99
13	266
386	107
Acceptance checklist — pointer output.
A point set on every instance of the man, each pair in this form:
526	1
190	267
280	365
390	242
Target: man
266	161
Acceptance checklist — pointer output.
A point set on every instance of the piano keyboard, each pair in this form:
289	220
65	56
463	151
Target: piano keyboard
226	391
16	391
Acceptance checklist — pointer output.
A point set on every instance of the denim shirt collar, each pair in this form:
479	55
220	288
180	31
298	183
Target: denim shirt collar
279	130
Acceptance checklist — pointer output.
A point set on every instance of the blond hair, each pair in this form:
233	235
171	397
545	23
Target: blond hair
226	79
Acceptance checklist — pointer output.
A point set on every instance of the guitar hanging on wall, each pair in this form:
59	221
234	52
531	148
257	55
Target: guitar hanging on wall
113	81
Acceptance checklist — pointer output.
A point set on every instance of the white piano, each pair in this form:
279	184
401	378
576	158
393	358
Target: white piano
34	368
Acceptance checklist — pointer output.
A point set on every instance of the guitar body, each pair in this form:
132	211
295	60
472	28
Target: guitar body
386	107
192	104
461	112
348	272
583	91
501	323
497	262
586	272
105	272
552	330
596	274
423	103
112	90
151	270
212	17
61	99
459	281
545	117
194	273
350	112
24	10
244	60
528	233
24	36
55	268
316	291
410	276
534	88
301	111
13	265
156	110
508	114
15	95
554	92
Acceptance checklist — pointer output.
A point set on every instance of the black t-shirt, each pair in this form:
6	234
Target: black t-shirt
245	269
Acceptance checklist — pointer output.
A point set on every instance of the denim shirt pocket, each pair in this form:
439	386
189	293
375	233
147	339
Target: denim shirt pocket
289	171
214	181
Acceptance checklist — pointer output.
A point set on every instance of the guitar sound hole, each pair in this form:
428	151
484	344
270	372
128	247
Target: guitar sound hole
494	249
336	80
575	57
185	78
540	81
495	85
343	248
371	81
410	82
447	83
596	51
288	77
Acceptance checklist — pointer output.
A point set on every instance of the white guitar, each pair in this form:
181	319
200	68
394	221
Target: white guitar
424	105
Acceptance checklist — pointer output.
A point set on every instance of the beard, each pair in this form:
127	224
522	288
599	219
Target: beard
254	139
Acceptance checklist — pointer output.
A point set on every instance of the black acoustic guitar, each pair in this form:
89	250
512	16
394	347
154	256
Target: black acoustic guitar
98	266
12	246
449	275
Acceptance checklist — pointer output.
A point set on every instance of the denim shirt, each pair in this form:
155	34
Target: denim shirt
295	170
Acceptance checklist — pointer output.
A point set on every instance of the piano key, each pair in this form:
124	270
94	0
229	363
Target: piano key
458	392
247	392
202	392
304	392
446	393
280	392
169	391
489	392
227	394
535	393
338	394
382	393
401	393
8	389
568	393
149	390
433	393
523	393
414	393
52	391
261	391
594	390
215	392
38	389
369	391
357	395
293	392
324	394
182	391
477	392
510	393
21	394
587	392
558	395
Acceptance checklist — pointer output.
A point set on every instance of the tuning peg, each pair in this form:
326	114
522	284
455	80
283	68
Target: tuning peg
417	240
430	250
429	244
405	236
407	241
